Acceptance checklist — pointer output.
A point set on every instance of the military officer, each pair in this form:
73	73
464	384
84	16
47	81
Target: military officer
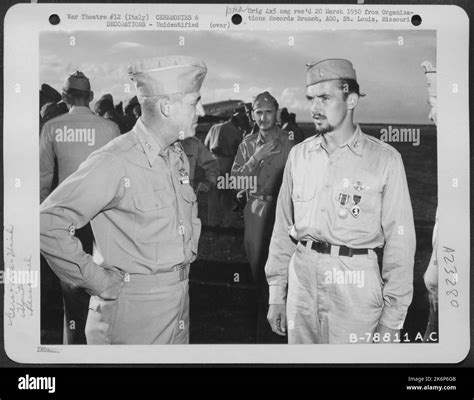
223	140
262	155
344	193
289	124
69	139
137	194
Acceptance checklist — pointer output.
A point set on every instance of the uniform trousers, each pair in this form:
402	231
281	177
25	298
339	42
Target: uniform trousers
150	309
332	298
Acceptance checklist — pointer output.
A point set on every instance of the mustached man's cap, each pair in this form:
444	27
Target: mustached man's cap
330	69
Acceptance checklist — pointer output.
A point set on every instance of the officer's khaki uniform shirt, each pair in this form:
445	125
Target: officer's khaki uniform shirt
71	138
144	220
308	209
268	171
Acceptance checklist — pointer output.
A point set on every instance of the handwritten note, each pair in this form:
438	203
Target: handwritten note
19	282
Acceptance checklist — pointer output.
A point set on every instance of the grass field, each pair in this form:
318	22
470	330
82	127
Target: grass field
223	311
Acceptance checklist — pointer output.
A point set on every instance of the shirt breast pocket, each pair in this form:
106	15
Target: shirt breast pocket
357	212
152	216
303	196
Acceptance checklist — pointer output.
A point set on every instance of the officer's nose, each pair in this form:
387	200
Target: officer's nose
200	109
315	106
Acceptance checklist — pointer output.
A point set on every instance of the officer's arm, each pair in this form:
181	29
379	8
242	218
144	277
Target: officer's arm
208	163
281	246
244	164
400	243
95	186
46	155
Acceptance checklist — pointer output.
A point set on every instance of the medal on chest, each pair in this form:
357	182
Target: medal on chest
183	176
343	199
355	209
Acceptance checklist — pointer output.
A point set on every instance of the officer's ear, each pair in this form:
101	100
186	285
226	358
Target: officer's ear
91	96
352	100
165	106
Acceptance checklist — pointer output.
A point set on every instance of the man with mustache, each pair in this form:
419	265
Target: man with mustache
344	193
136	192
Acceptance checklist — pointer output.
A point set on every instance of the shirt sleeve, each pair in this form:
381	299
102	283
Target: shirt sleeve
400	243
281	246
46	157
94	187
244	164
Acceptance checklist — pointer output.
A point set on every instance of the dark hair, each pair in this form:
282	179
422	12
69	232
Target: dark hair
77	94
348	86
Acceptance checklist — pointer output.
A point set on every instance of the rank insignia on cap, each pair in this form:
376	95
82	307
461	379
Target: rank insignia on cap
355	211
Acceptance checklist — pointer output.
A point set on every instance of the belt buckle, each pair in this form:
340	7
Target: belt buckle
335	250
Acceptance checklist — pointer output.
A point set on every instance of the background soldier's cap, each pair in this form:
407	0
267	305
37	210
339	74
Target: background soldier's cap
167	75
105	103
330	69
264	99
50	94
77	81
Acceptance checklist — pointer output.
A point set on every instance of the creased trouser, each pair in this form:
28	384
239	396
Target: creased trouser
148	310
332	299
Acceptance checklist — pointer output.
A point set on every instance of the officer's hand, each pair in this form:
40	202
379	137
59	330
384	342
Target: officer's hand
277	318
387	335
202	187
266	150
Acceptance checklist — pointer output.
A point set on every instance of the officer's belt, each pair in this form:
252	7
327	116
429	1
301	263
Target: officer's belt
327	248
264	197
162	278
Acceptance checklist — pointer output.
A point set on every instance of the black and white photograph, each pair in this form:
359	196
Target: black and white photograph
190	238
254	187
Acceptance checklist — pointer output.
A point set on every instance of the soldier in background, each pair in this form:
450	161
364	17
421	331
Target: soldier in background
200	157
262	156
70	139
104	107
288	124
52	110
223	140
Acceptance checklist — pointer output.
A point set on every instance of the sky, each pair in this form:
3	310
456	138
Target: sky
388	73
